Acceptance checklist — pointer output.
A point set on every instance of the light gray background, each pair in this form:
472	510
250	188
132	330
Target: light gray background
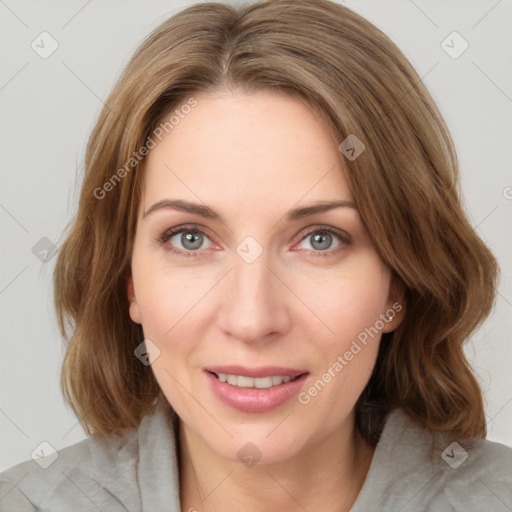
49	106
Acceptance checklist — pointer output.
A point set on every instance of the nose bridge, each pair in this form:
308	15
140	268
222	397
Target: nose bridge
253	307
252	280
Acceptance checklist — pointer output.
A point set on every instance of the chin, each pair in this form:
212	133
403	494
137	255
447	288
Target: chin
258	451
266	443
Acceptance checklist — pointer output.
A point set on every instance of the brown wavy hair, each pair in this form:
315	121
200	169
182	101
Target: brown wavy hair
405	185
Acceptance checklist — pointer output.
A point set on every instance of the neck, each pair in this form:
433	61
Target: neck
326	476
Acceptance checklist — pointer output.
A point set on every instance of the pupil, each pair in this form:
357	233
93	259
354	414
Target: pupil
321	241
191	240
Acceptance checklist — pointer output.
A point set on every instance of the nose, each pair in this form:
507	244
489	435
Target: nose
254	309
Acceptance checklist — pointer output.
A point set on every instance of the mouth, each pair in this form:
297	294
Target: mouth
255	390
245	381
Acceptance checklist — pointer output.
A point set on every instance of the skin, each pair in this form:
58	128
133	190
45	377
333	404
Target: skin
252	157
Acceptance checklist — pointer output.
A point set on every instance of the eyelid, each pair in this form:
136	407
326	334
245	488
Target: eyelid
318	228
185	227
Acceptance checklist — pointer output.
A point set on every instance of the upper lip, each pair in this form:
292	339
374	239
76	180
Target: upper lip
264	371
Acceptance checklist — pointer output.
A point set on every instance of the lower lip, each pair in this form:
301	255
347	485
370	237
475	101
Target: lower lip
255	399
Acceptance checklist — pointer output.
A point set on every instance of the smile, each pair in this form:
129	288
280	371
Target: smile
255	390
242	381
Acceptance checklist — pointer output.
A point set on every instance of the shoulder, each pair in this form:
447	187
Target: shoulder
476	473
416	470
100	472
73	475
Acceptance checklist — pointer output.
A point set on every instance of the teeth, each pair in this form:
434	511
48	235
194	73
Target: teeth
276	381
241	381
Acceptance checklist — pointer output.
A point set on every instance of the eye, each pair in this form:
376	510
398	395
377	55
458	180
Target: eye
186	240
325	241
190	240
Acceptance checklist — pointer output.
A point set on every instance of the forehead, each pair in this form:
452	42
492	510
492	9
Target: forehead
261	148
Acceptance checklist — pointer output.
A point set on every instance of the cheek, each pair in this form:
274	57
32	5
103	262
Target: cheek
347	302
157	303
166	294
170	306
348	348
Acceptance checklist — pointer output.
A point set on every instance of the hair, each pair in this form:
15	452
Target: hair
405	185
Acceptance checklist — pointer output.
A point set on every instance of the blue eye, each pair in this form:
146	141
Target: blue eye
190	238
322	240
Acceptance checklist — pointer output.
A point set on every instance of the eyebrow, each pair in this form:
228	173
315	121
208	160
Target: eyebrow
210	213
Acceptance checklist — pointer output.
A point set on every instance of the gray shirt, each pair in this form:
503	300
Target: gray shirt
411	470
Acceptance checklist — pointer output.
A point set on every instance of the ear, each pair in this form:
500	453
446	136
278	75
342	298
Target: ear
395	312
134	307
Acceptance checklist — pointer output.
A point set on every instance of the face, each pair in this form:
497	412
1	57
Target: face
250	285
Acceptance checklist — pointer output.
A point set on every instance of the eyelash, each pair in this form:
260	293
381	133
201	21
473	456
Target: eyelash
344	238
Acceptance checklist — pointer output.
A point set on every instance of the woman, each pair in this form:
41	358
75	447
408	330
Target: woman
269	282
